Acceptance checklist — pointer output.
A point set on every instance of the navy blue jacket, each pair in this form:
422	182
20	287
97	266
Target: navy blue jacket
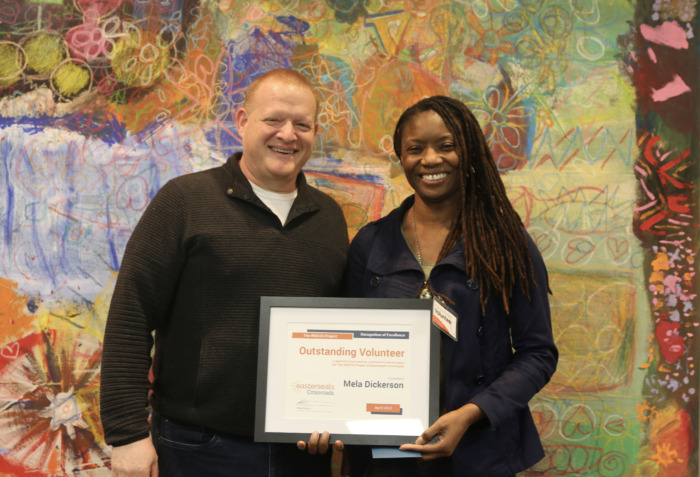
500	360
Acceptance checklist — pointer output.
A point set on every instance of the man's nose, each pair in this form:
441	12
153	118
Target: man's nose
287	131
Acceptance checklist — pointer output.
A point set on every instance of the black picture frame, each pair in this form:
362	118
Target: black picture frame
339	313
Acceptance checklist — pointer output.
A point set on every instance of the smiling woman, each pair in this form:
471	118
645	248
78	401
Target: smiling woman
459	242
430	159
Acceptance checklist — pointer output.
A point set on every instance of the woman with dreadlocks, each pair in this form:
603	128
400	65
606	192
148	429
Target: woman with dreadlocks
459	241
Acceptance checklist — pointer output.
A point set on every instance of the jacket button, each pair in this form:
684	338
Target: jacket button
229	192
479	380
473	284
374	281
480	332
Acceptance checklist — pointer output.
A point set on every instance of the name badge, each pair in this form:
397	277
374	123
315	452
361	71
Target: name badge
444	318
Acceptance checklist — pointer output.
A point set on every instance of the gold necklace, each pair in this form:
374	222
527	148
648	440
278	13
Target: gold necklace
425	289
415	232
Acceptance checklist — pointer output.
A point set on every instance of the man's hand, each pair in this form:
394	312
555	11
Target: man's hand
449	429
138	459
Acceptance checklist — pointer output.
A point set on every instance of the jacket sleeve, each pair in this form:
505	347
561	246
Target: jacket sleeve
357	262
535	354
149	272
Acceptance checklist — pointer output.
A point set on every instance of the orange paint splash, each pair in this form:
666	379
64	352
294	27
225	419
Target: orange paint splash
671	441
15	321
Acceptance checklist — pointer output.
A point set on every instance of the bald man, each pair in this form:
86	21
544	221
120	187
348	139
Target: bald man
209	245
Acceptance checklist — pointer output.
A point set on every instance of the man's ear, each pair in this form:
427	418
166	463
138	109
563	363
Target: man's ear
241	120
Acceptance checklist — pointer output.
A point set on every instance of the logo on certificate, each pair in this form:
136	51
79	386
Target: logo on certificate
325	389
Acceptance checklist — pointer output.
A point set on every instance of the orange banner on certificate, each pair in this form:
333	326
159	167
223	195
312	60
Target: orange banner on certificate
384	408
322	335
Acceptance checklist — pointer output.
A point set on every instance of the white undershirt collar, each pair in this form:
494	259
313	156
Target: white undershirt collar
279	203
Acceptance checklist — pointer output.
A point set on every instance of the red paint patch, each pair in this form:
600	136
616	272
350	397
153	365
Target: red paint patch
672	346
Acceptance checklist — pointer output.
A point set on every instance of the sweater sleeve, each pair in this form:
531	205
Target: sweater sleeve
535	354
148	276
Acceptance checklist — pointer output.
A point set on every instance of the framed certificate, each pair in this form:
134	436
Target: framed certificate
366	370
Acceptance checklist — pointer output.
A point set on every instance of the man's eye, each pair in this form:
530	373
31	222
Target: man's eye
303	126
271	120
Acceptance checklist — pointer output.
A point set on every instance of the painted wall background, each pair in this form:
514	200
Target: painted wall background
589	105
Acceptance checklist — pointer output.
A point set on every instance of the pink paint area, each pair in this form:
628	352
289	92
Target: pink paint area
675	87
96	9
88	42
652	54
668	33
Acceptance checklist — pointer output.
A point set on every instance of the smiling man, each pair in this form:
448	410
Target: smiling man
209	245
277	124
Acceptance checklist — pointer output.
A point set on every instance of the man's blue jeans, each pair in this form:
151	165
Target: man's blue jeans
186	450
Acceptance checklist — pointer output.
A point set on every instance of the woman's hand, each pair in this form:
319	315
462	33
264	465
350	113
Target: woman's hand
318	444
449	429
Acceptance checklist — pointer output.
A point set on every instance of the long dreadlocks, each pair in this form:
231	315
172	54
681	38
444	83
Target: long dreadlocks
495	244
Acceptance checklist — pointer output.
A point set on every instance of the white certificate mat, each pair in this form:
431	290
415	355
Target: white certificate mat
366	370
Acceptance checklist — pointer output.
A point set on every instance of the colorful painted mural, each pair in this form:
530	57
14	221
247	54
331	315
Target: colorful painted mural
590	107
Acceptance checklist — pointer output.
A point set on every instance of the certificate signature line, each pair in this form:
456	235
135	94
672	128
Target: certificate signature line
305	402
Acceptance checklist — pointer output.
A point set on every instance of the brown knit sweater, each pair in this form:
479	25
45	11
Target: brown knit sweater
197	263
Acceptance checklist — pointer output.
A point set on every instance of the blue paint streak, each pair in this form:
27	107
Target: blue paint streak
40	255
110	131
113	256
9	213
223	141
529	104
370	178
297	25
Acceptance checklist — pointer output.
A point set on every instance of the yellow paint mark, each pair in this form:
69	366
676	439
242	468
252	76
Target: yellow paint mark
11	63
44	52
71	79
69	316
